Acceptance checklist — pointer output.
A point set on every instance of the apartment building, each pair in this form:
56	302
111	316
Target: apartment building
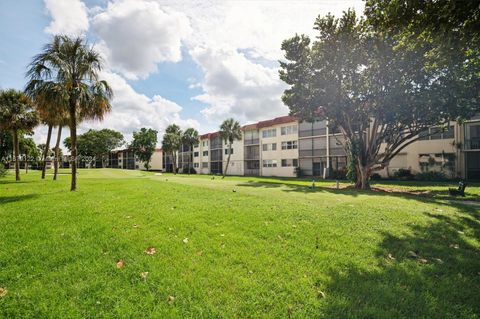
126	159
285	146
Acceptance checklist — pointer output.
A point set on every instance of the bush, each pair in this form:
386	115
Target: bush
298	172
339	174
431	176
403	174
186	170
3	170
375	177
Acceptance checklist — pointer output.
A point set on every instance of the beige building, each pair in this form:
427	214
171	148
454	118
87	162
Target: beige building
286	147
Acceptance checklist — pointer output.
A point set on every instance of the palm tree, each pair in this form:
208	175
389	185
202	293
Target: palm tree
190	138
17	114
61	122
66	72
172	140
230	131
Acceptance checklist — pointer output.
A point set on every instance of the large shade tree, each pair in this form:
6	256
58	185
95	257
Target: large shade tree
377	92
96	144
71	66
17	114
190	138
172	140
230	131
143	145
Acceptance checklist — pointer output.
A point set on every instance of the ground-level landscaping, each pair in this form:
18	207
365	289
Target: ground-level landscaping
132	244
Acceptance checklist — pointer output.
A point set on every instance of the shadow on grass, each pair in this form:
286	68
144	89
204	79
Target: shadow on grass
18	198
430	271
6	182
419	194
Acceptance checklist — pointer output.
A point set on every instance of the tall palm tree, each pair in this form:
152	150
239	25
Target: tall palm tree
230	131
17	114
190	138
72	67
62	121
172	140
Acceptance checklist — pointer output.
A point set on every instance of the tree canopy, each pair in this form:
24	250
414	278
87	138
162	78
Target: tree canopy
364	77
144	144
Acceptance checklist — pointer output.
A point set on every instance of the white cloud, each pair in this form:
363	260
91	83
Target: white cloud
132	110
68	17
235	86
137	35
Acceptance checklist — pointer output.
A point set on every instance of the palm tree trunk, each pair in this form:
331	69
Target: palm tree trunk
45	152
228	160
57	153
17	152
73	140
26	161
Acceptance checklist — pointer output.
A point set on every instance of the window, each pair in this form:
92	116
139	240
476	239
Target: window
205	143
205	153
269	147
269	133
226	151
196	165
288	130
195	154
289	145
269	163
289	162
205	165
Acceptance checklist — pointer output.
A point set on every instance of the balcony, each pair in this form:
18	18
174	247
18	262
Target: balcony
253	141
472	144
314	132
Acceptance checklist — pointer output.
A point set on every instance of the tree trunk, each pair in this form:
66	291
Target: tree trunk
73	140
174	160
228	160
57	153
17	152
363	177
26	162
45	152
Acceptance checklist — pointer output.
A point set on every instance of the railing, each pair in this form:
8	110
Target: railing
320	152
315	132
253	141
252	172
472	144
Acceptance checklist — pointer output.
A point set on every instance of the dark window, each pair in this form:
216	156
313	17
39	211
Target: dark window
205	153
195	154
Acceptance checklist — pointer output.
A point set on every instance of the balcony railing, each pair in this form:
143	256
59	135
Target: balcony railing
253	141
252	172
315	132
472	144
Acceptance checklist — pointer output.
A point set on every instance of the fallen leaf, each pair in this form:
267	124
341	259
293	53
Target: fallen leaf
456	246
3	292
150	250
135	226
144	275
185	240
391	257
423	260
438	260
120	263
321	294
412	254
170	299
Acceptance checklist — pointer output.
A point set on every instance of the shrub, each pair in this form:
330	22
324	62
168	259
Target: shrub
191	169
3	170
403	174
339	174
431	176
375	177
298	172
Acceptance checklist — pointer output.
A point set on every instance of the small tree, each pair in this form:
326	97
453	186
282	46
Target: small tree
28	149
172	140
143	144
230	131
190	138
17	114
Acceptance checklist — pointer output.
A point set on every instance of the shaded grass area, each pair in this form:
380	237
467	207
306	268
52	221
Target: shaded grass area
271	249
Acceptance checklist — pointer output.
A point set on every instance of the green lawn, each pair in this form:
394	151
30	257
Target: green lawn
271	249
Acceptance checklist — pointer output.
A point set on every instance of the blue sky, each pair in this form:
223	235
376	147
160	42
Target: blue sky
193	63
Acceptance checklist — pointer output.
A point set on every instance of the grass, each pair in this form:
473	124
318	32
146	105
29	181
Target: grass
271	249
